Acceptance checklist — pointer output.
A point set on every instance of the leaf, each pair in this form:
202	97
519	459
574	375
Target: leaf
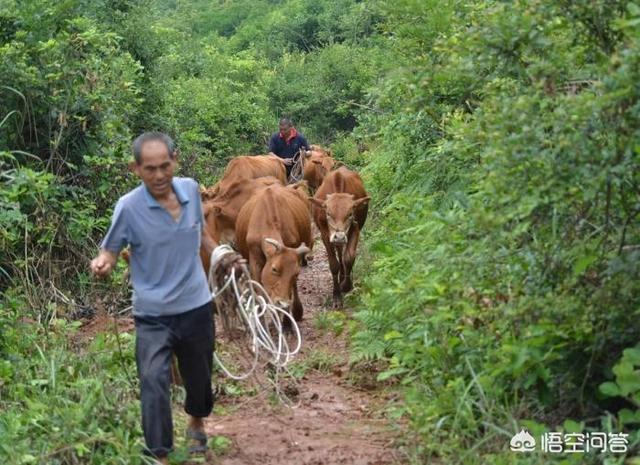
581	265
632	355
609	389
571	426
389	373
392	335
628	416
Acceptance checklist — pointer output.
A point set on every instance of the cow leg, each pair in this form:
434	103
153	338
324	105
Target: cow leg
349	258
341	256
296	305
334	266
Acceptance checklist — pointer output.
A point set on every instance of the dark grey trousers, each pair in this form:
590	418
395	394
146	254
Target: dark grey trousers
190	336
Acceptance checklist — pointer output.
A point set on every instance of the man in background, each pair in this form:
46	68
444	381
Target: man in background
287	143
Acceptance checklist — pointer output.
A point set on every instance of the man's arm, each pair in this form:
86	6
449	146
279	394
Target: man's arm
114	241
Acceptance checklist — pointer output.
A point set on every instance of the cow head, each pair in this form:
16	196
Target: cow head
339	209
317	165
281	270
219	222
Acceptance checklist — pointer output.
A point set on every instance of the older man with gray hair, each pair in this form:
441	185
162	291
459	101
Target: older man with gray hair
162	222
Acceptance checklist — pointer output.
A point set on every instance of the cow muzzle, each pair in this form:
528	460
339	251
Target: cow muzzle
338	238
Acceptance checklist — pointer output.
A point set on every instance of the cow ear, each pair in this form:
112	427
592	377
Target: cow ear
318	203
330	153
338	164
270	247
361	201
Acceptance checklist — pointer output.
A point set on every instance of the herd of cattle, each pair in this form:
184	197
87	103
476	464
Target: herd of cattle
269	222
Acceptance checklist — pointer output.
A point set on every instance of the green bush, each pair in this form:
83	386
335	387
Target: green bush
63	405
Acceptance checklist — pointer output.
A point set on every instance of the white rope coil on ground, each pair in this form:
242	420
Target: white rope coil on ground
255	315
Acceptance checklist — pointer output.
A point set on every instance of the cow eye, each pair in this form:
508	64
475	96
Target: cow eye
275	270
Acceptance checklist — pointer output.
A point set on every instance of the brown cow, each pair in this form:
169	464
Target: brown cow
317	164
256	166
273	230
221	212
247	167
340	210
320	148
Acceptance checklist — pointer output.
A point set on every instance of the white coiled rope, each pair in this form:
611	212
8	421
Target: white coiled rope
297	170
257	316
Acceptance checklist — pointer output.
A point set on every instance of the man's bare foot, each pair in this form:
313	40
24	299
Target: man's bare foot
196	434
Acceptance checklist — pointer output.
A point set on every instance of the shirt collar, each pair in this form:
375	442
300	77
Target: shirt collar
180	194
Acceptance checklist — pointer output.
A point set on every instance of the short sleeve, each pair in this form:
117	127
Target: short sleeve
272	145
118	235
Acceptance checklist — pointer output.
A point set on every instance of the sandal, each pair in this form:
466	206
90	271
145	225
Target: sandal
199	436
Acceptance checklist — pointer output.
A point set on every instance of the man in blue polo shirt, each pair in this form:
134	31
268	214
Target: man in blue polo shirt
162	222
287	143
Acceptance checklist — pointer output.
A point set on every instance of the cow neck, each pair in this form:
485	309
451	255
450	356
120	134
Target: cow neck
272	213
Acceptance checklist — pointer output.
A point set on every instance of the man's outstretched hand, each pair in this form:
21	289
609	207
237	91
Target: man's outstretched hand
103	264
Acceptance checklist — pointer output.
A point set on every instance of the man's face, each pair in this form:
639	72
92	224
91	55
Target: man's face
285	129
156	168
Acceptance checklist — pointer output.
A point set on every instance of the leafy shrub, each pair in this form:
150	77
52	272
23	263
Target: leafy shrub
503	273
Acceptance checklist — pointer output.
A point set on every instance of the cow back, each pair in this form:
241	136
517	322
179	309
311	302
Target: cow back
255	166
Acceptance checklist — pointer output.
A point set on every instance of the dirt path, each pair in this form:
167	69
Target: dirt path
339	417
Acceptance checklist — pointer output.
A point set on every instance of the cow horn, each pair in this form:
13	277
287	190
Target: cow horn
302	250
274	243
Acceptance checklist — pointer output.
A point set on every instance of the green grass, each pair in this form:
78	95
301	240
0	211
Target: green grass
64	404
330	321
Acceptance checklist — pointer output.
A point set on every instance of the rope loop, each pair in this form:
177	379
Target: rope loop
243	304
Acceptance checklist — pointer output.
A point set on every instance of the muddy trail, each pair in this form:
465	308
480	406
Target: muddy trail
339	416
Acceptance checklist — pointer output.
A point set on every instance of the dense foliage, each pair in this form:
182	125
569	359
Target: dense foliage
508	179
499	141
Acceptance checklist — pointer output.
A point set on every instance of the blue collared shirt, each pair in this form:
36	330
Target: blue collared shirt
166	271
